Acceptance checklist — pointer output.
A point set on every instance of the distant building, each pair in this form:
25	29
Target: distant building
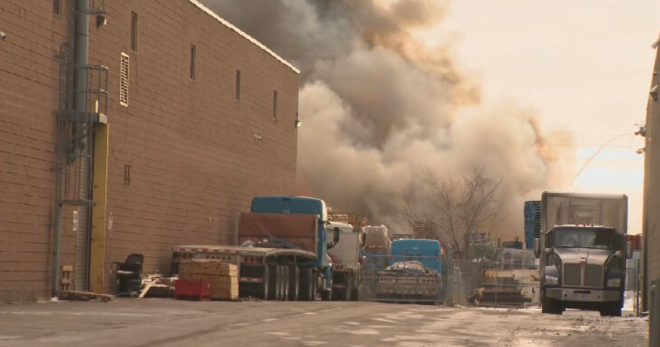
158	136
651	217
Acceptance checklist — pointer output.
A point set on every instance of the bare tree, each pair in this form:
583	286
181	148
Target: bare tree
460	209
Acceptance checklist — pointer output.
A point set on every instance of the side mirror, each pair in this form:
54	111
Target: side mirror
335	238
537	247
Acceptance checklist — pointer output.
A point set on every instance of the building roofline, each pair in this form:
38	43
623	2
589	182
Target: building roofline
242	33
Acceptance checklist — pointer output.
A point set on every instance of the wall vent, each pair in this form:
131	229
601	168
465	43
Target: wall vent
124	74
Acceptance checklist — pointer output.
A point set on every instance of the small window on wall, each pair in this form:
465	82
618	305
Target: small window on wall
193	57
57	7
238	85
275	104
134	32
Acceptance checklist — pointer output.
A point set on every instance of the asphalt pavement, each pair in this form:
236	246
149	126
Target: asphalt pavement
166	322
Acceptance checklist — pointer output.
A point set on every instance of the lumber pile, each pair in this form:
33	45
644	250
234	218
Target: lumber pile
75	295
222	276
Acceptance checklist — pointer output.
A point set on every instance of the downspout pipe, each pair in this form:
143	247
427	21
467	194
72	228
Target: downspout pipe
81	54
85	133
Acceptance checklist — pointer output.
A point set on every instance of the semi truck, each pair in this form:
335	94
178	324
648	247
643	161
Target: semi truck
582	252
415	273
345	257
281	249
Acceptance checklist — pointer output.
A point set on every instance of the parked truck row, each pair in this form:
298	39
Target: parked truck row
286	248
281	249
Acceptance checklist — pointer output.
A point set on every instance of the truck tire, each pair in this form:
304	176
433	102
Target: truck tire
284	272
611	309
348	290
326	295
315	286
549	305
616	309
265	285
275	283
294	283
355	296
307	284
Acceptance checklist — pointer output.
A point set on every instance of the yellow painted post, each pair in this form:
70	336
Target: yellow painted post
99	210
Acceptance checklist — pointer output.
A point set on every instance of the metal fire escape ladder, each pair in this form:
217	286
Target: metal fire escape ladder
74	152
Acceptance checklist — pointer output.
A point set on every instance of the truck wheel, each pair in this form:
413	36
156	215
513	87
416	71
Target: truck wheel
307	281
616	309
294	283
549	305
348	290
611	309
326	295
284	272
275	283
315	286
355	295
265	285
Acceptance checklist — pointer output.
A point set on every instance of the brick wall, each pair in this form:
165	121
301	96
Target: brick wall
190	145
651	218
29	75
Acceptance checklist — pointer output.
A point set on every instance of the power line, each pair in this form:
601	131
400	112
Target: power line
591	158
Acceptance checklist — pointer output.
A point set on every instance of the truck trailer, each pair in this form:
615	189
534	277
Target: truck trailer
280	248
582	252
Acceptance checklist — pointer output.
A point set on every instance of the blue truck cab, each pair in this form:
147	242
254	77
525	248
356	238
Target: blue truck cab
427	252
302	205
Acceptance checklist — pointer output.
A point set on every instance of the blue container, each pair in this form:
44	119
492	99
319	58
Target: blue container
427	252
532	222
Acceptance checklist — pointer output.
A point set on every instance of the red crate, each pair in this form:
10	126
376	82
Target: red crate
200	290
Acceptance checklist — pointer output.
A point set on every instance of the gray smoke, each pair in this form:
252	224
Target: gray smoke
378	106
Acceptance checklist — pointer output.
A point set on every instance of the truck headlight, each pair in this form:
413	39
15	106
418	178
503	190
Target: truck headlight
614	282
549	279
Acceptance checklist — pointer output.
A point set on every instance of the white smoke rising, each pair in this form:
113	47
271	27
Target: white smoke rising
378	106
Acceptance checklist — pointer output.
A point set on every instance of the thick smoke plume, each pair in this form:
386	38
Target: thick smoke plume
379	106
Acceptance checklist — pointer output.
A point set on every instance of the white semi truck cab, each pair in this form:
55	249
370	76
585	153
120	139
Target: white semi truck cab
345	255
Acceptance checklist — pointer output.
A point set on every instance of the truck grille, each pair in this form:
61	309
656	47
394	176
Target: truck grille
594	276
575	273
572	275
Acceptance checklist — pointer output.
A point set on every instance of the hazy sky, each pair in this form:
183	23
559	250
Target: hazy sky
584	65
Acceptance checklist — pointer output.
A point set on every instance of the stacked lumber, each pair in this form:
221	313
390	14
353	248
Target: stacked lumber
222	276
75	295
500	297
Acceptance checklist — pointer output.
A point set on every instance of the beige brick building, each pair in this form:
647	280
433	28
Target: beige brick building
204	120
651	216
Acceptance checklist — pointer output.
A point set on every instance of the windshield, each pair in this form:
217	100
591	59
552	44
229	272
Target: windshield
585	238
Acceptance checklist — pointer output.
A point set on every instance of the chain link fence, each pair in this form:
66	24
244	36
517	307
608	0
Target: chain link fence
413	279
511	280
